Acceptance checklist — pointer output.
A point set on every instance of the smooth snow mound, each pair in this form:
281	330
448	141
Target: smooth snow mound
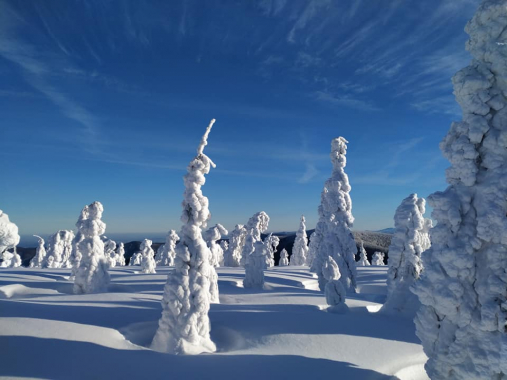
22	291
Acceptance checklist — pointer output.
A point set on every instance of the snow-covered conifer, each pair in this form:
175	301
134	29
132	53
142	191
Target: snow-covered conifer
284	258
166	253
232	256
407	244
66	239
76	256
109	251
148	260
136	259
462	320
59	250
333	231
300	248
9	239
334	290
184	327
212	235
91	275
256	263
225	246
40	254
256	225
363	258
313	248
120	255
272	242
378	259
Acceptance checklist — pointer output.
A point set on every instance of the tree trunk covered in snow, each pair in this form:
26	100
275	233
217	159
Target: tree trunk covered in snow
184	327
462	320
333	235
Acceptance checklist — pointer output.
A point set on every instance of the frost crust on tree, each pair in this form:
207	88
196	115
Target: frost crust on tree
284	258
378	259
313	248
363	258
272	242
59	250
256	263
333	235
40	254
184	327
9	239
232	256
120	255
167	252
135	259
462	320
212	235
109	251
147	257
91	275
409	241
300	248
256	225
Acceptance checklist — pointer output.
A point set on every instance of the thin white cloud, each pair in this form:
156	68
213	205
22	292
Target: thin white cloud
344	100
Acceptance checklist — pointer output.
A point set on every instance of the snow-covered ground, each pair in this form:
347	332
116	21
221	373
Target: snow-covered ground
281	332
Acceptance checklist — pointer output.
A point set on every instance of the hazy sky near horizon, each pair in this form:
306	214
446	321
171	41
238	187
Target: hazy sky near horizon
108	100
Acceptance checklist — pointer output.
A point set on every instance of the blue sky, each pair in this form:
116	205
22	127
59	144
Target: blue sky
108	100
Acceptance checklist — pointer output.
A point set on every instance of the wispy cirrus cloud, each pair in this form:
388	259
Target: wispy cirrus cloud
344	100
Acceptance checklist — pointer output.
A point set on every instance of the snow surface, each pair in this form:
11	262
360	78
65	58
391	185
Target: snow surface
281	332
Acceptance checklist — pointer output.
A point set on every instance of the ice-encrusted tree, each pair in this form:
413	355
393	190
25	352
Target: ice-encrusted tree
378	259
232	256
334	289
409	241
225	246
300	248
184	327
363	258
272	242
212	235
9	239
462	320
120	255
136	259
40	253
147	257
312	251
91	275
166	253
256	263
59	250
284	258
76	256
333	231
109	251
256	225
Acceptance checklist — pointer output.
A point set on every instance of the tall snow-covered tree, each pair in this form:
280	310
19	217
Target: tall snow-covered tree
378	259
272	242
147	257
462	320
333	231
225	246
334	290
76	256
9	239
212	235
312	251
91	275
300	248
184	327
409	241
120	255
232	256
59	250
109	251
363	258
166	253
284	258
256	263
40	253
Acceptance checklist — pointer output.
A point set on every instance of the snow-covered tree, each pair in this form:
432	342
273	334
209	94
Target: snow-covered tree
40	254
9	239
256	263
109	251
59	250
166	253
378	259
284	258
272	242
363	258
212	235
76	256
333	231
148	260
407	244
120	255
184	327
334	289
300	248
462	320
136	259
232	256
256	225
91	275
225	246
313	248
